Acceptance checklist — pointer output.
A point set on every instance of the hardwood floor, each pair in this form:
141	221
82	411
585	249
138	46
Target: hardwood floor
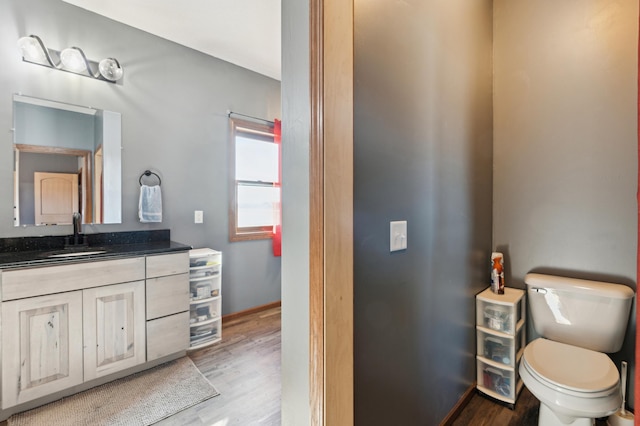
245	368
483	411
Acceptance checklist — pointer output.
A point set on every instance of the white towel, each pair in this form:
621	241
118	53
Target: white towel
150	204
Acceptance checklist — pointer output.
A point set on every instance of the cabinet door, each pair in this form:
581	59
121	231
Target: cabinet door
41	346
114	328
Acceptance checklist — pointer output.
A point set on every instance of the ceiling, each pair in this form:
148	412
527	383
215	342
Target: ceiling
243	32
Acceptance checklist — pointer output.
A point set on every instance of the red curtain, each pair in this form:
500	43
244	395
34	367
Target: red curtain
277	231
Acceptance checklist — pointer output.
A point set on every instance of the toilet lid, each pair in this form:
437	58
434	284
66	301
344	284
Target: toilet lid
571	367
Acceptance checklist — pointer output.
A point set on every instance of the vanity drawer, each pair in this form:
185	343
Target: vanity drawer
30	282
167	335
167	295
167	264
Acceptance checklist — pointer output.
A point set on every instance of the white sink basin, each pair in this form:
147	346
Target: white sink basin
77	253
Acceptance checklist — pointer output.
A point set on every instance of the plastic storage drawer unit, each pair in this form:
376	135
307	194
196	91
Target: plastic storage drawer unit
205	287
500	338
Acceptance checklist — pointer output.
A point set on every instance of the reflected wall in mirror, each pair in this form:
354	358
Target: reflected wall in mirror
66	160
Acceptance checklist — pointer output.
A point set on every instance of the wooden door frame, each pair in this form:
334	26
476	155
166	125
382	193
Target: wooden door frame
331	213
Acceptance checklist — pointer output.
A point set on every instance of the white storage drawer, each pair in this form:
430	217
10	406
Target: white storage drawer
205	311
500	312
204	288
499	347
205	271
204	257
203	334
498	381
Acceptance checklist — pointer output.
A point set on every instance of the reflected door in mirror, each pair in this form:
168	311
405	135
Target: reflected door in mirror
56	197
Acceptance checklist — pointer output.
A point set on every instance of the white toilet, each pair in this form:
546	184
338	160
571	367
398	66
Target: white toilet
566	368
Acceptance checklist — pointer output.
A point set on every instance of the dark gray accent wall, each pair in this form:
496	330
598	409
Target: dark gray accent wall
423	153
173	102
565	142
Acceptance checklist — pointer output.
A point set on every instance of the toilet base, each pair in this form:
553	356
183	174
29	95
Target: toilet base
546	417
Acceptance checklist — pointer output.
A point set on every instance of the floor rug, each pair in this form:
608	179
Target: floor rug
140	399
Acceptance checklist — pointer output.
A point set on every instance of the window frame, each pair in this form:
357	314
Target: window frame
246	233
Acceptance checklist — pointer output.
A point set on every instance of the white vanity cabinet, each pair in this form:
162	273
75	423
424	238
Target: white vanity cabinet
68	324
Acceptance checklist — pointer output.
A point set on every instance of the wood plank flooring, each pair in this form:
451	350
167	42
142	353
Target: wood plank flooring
483	411
245	368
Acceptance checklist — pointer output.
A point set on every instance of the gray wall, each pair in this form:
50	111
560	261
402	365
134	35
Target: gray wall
43	126
173	102
565	141
423	153
295	212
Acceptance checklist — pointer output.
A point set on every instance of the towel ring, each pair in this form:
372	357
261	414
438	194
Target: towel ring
149	173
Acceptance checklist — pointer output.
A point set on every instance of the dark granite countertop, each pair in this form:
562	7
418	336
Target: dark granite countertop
46	251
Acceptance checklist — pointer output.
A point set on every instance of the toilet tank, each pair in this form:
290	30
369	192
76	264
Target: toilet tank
588	314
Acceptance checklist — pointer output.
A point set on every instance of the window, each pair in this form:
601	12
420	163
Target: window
255	183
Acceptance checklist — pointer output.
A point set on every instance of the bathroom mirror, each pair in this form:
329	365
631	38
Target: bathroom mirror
66	160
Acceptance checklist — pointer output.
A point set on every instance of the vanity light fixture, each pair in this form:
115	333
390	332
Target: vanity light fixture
71	59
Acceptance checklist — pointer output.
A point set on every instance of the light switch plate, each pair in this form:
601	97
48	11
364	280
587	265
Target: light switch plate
398	235
198	216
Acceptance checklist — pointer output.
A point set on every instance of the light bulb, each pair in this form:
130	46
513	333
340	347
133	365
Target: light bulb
110	69
31	49
73	59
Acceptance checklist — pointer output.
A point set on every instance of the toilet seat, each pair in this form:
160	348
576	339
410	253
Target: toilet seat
571	370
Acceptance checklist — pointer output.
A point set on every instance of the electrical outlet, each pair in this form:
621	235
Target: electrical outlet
198	216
